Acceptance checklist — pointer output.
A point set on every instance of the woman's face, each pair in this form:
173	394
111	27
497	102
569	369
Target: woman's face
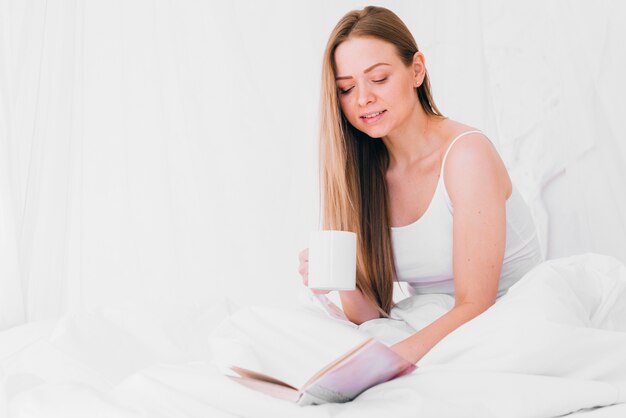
376	90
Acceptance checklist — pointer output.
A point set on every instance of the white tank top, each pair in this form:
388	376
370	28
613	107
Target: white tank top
423	249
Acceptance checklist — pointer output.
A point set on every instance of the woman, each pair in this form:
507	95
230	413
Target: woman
429	198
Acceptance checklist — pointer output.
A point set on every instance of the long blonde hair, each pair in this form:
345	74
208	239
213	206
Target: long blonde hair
353	165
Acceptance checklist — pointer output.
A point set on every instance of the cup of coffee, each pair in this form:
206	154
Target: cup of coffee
332	260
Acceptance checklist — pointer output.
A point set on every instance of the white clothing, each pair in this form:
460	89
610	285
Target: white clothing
423	249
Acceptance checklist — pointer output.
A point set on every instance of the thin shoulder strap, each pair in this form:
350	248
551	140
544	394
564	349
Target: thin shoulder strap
443	162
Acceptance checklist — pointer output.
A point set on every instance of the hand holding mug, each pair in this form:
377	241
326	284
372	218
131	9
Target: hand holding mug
330	261
304	271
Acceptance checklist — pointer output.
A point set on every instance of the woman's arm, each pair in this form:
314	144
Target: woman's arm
478	184
356	307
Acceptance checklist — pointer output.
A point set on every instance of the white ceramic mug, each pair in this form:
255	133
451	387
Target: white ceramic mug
332	260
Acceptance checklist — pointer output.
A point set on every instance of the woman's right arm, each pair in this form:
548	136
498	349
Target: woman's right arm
355	306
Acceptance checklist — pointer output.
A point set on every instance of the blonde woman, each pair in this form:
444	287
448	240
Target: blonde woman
429	198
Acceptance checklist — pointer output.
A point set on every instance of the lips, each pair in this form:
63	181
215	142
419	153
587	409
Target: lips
373	117
372	114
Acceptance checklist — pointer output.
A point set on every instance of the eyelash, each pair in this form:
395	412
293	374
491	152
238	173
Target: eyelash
343	92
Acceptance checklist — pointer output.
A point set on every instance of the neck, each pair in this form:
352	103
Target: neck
413	140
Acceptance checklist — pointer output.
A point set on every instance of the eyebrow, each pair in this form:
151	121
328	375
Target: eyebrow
368	69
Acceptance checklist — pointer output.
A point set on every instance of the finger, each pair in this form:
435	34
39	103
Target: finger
304	255
303	269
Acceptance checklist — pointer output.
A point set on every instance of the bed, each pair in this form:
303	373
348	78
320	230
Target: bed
554	345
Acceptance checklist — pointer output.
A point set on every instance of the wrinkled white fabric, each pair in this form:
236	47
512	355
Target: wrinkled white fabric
552	345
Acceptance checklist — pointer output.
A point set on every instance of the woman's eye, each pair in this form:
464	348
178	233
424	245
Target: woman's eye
346	91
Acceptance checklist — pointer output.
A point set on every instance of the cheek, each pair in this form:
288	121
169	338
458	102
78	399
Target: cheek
409	92
346	107
398	91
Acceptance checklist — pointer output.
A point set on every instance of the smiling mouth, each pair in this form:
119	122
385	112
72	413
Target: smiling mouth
373	115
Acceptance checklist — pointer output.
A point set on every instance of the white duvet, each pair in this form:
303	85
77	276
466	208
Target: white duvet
555	344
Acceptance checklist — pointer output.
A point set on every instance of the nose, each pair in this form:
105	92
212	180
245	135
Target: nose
365	96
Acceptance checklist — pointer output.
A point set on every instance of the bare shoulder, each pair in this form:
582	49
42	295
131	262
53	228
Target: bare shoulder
473	145
473	164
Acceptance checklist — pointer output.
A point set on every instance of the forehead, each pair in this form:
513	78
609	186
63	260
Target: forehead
356	54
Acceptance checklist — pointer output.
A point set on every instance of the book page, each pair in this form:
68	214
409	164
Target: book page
334	363
272	389
259	376
372	364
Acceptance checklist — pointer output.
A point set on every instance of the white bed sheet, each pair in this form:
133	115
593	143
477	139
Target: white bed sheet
554	345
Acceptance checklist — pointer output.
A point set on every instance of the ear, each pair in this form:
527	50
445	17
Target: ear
419	69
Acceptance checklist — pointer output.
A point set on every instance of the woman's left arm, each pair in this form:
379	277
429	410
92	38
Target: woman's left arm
477	183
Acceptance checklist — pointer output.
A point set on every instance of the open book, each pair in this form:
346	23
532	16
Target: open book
366	365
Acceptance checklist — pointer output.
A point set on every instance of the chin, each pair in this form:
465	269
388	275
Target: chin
374	133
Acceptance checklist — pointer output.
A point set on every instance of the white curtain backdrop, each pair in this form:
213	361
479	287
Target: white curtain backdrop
164	152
